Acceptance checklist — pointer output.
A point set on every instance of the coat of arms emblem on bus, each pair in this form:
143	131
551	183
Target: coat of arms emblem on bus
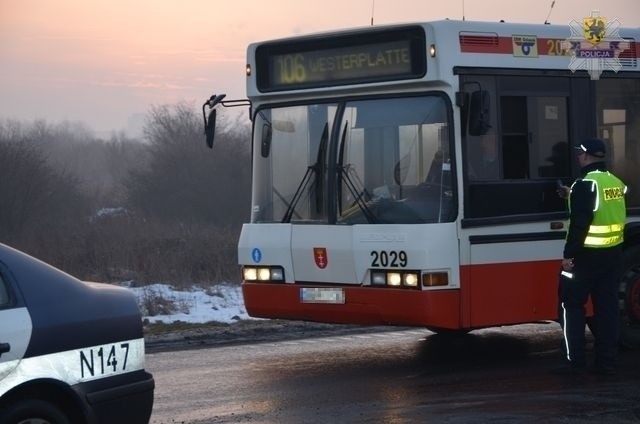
320	256
595	45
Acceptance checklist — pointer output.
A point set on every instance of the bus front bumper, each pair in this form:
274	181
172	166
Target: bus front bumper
356	305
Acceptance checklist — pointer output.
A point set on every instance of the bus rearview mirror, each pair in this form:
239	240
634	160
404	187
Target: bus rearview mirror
210	128
479	113
265	142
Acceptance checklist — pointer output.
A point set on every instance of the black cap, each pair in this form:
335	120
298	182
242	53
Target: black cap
593	147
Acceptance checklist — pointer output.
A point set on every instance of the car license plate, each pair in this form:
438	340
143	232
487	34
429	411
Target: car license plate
321	295
101	361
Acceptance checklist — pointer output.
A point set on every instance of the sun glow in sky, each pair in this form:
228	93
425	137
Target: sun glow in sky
105	61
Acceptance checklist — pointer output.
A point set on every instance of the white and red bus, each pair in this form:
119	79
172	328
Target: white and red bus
407	174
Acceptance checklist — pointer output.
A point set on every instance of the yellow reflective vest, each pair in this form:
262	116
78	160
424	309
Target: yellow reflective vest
609	212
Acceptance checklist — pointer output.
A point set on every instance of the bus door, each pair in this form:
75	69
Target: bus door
514	220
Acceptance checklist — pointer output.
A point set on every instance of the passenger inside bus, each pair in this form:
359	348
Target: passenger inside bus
434	176
560	161
484	163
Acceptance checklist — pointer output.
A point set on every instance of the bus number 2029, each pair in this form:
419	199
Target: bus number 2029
391	259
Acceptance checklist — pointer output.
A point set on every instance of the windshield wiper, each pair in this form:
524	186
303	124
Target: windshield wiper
360	196
318	169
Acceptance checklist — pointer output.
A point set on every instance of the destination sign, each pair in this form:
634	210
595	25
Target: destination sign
356	59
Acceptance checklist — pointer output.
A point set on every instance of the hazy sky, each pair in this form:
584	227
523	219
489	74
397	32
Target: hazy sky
103	61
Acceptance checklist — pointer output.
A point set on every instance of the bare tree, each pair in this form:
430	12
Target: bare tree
39	203
168	209
185	181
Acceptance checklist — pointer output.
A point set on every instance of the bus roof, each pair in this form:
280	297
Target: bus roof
451	44
445	25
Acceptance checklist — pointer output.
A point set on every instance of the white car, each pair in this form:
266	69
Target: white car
70	351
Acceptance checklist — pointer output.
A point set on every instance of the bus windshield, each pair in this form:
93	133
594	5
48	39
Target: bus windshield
388	163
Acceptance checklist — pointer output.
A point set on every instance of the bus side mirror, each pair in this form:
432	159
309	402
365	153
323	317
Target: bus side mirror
210	128
265	142
479	113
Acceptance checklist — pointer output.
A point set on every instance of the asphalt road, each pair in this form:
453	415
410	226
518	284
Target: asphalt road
406	376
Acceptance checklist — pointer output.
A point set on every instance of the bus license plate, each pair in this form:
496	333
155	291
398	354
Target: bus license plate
321	295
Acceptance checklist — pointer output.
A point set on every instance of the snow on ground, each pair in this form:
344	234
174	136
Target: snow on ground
160	303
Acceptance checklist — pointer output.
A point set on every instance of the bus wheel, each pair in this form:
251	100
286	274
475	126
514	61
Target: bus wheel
630	300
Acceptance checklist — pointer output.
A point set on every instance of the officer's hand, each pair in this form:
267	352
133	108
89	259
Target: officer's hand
567	265
563	191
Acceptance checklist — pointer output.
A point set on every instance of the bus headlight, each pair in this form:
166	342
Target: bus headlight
249	274
277	274
410	279
401	279
263	273
378	278
394	279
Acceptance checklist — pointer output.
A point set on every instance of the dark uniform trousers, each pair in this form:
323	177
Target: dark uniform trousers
595	273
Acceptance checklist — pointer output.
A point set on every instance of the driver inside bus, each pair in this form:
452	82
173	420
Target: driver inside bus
483	164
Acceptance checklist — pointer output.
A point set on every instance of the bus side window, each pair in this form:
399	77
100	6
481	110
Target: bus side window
484	157
558	163
618	118
523	153
479	112
479	115
515	140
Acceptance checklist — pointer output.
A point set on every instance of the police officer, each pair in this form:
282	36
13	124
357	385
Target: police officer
592	261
